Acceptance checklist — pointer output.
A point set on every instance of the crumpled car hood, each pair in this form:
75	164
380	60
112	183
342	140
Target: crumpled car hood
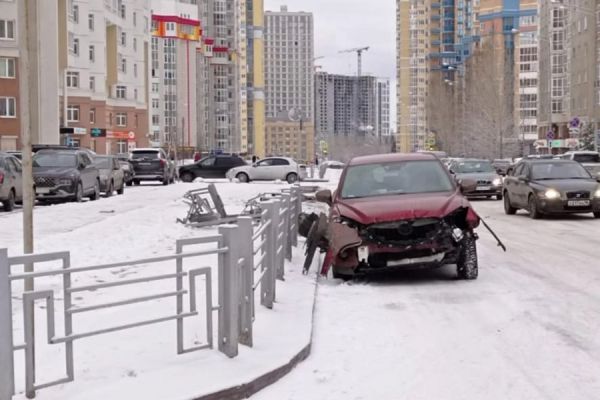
371	210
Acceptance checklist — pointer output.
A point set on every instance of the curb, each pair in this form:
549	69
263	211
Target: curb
248	389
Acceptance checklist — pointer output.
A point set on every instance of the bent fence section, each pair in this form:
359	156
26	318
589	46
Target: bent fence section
251	257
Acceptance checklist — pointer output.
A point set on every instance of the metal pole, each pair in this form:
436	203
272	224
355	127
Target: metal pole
7	369
247	279
229	291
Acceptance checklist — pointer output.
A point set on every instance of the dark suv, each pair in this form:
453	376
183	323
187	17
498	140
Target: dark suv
65	175
152	165
210	167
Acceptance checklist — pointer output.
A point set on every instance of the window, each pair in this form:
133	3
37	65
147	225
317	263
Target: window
8	107
73	113
92	53
121	92
7	67
91	22
135	94
121	119
75	13
134	44
134	18
122	11
135	70
123	39
7	29
156	120
155	104
74	44
72	79
155	87
123	65
92	116
93	83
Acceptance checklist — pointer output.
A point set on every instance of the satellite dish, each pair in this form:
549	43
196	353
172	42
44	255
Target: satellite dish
294	114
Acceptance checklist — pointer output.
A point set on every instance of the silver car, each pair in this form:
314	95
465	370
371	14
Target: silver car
11	181
112	176
268	169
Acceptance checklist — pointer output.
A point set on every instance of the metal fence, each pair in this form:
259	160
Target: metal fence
251	257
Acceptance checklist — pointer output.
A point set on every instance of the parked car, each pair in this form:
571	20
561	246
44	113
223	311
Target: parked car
111	175
501	166
215	166
545	187
128	173
400	211
11	181
267	169
152	165
589	159
65	175
17	154
489	183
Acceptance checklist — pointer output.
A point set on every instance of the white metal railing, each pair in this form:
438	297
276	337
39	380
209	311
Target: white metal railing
249	257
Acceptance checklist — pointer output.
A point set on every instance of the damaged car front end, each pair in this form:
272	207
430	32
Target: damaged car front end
403	223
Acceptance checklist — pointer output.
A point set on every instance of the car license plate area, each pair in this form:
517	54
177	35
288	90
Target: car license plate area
363	254
578	203
483	188
42	190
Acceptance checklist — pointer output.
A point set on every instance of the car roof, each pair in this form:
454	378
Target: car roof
473	160
582	152
548	161
392	157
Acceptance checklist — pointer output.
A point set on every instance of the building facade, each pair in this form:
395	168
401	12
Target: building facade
383	107
174	44
528	67
104	59
293	139
9	77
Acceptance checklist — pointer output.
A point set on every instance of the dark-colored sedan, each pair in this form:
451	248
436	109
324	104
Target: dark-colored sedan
11	181
152	165
399	211
210	167
111	175
489	183
65	175
546	187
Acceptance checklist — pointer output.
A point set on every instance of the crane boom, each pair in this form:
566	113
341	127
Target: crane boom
359	51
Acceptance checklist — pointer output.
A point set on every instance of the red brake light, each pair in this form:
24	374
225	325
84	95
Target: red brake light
1	178
162	163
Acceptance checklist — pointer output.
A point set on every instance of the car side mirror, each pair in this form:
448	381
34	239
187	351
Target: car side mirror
81	166
324	196
467	185
254	165
451	172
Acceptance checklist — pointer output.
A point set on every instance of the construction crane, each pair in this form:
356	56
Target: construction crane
359	51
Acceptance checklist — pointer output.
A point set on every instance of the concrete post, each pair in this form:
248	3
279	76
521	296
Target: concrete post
287	238
267	286
246	244
229	294
7	368
276	243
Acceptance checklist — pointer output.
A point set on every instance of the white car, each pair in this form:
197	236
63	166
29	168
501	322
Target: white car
268	169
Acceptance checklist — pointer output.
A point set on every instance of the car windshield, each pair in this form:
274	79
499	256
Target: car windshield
468	167
404	177
55	160
102	162
148	155
587	158
503	162
558	170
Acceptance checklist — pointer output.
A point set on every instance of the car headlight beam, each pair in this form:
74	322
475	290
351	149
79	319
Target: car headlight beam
597	193
552	194
497	182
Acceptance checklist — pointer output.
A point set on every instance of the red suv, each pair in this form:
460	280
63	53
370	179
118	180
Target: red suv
400	211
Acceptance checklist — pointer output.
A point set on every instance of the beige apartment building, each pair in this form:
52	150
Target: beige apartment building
290	139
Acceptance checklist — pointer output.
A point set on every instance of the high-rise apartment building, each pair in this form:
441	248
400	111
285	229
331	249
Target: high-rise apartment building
221	88
41	38
528	65
383	107
289	54
175	40
104	58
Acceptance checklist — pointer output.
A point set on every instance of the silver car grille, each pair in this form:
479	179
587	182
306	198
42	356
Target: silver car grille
44	181
484	182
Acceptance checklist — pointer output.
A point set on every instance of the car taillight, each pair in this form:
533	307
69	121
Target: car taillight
162	163
1	178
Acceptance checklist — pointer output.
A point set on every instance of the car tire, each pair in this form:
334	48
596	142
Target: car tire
136	182
597	215
9	203
165	180
79	193
110	189
338	275
498	197
130	183
122	189
243	177
188	177
96	195
532	206
291	178
508	208
467	265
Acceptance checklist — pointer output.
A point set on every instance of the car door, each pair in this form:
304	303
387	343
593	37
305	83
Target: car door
117	174
263	170
222	165
206	168
88	172
521	187
18	177
281	167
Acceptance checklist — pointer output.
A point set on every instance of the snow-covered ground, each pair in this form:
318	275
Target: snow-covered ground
142	363
528	328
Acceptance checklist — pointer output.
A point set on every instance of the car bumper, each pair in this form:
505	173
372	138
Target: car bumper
485	191
149	177
562	207
56	193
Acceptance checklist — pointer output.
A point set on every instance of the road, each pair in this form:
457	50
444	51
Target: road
528	328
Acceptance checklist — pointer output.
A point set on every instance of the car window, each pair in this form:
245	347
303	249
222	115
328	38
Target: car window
403	177
587	158
226	162
474	167
280	161
4	163
265	163
559	170
207	162
16	164
87	160
102	162
149	155
55	160
518	170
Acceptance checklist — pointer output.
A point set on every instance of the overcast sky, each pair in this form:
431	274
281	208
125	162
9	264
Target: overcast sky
346	24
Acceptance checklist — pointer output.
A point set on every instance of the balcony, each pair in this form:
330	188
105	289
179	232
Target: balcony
435	6
435	42
435	17
435	31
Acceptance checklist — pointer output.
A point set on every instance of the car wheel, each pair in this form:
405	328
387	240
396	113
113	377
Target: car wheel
129	183
338	275
110	189
498	197
467	266
597	215
534	211
292	178
9	203
96	195
188	177
79	193
136	182
508	208
165	180
122	189
243	177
